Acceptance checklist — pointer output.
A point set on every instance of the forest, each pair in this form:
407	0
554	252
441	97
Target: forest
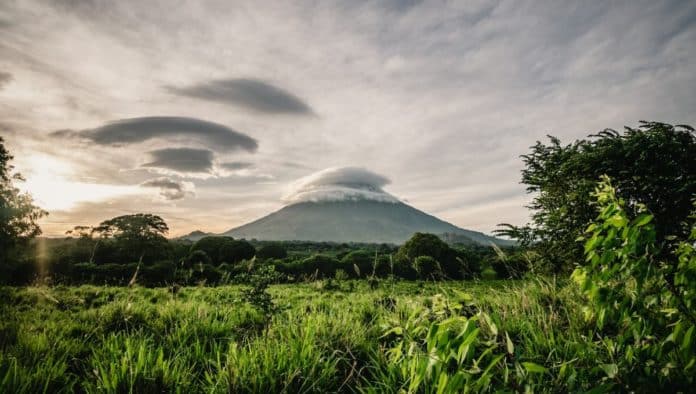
597	295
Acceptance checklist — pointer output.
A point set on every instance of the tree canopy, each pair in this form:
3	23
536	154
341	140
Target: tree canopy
224	249
18	214
654	163
139	235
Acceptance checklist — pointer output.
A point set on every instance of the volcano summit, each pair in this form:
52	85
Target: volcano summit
348	204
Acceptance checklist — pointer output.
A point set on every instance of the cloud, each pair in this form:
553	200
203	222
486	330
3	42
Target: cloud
5	78
136	130
236	165
249	93
444	96
340	184
182	160
170	189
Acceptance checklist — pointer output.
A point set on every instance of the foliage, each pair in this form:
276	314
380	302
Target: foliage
139	237
18	219
427	267
211	340
362	259
460	263
197	257
224	249
654	163
638	297
258	295
64	259
272	251
424	244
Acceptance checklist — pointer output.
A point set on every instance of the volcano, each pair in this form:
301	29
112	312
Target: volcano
348	204
362	220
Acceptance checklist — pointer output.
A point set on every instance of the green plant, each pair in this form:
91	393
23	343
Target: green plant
340	275
653	164
258	295
641	299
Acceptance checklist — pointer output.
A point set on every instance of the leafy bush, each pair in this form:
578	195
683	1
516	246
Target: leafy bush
362	259
197	257
224	249
654	164
272	251
258	295
427	267
641	298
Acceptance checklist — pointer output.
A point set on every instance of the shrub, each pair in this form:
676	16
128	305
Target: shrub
641	297
654	164
362	259
224	249
272	251
488	273
427	267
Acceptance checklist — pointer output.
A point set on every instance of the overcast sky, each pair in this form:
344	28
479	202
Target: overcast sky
206	112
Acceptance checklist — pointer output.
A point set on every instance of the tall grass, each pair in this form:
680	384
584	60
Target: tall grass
348	337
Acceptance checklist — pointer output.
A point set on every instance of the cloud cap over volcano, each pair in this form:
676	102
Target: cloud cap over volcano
340	184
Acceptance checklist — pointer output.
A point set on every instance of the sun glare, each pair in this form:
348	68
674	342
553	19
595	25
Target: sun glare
48	181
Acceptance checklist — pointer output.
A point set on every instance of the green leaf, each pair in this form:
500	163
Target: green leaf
510	346
642	220
533	367
617	221
396	330
688	339
610	369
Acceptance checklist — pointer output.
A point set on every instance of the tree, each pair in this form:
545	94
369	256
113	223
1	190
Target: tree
427	267
18	214
272	251
140	236
362	259
654	163
233	251
423	244
85	241
225	249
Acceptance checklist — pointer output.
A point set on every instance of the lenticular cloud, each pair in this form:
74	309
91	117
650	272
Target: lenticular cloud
340	184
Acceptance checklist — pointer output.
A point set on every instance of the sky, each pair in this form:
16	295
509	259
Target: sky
211	113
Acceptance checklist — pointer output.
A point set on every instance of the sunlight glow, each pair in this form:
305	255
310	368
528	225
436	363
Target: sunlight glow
48	181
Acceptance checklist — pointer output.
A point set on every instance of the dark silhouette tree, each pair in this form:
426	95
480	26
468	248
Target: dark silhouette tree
18	214
224	249
138	236
272	251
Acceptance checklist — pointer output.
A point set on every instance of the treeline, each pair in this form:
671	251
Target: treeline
153	261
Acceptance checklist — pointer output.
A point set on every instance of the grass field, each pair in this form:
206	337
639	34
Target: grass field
326	337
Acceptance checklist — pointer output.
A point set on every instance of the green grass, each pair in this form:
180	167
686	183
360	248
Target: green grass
120	340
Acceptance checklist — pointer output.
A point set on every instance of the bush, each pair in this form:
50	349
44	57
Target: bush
639	297
224	249
157	274
272	251
654	164
422	244
488	274
362	259
195	258
427	267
